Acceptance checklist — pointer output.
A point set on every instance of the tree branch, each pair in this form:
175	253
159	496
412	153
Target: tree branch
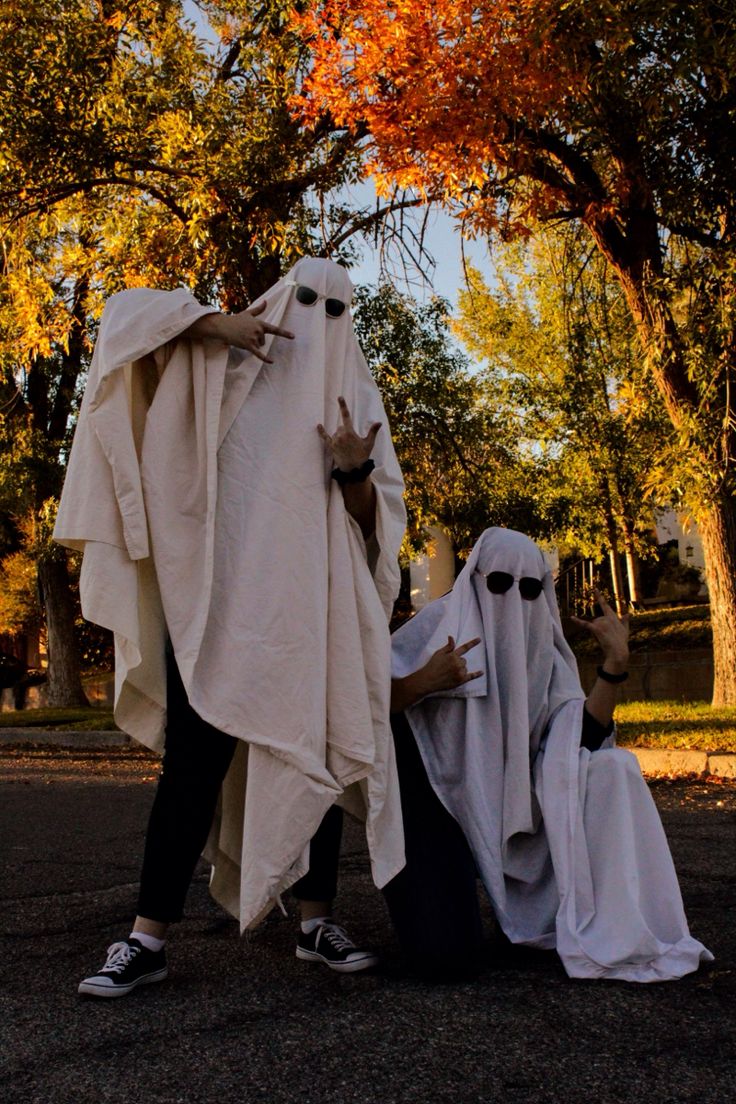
366	221
228	65
297	185
86	186
581	172
691	233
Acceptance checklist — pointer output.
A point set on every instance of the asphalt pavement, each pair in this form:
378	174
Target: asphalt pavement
242	1020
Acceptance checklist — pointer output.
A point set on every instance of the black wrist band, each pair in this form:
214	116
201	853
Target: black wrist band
608	677
355	475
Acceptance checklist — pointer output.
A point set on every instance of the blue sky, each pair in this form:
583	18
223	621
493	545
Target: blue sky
442	239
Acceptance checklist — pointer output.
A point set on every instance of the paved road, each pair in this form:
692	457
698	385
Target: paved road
241	1020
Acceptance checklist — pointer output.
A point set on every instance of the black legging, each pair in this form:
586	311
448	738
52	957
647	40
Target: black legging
196	759
433	901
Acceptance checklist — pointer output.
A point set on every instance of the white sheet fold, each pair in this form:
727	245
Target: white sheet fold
199	490
568	844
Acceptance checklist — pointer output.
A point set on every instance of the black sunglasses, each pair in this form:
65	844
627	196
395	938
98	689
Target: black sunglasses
307	296
498	582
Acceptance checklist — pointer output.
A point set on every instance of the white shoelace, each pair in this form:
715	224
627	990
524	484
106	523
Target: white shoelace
336	936
118	957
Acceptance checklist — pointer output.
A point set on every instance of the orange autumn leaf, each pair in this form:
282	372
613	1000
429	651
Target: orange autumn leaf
444	88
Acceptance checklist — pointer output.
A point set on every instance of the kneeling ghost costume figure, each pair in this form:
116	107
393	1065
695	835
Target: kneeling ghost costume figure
568	843
199	491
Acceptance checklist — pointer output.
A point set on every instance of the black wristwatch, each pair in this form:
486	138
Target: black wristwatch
608	677
355	475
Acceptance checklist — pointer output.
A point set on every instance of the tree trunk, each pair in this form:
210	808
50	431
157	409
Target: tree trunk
634	580
632	568
662	344
617	579
717	528
64	684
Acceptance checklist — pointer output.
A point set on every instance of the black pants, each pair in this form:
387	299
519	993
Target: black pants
196	759
433	901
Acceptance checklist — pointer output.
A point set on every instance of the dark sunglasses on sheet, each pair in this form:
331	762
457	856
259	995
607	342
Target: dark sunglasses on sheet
307	296
498	582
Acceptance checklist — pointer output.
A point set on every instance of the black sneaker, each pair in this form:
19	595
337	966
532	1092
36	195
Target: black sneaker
331	944
128	964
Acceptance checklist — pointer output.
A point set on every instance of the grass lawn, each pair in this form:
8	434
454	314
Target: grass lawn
670	724
67	720
663	724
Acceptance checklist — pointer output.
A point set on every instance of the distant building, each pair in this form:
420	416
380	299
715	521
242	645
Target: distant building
671	527
433	573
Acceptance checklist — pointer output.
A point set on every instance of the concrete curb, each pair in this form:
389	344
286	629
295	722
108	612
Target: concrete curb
671	763
677	763
654	762
723	766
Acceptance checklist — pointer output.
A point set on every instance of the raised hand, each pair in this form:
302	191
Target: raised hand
244	329
611	632
447	668
349	449
444	670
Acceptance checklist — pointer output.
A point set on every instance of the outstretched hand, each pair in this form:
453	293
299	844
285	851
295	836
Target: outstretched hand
611	632
447	668
244	329
349	450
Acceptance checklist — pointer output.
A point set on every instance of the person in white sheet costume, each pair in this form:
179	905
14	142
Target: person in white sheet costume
199	489
507	783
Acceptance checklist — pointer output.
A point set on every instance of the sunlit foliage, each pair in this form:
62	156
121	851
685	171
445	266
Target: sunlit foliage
459	457
618	115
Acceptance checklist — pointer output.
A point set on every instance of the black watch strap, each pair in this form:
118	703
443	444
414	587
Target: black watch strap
355	475
608	677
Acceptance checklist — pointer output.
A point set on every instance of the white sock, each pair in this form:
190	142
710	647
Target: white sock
308	926
150	942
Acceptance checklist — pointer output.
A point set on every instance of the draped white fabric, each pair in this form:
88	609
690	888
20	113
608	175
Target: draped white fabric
276	609
568	844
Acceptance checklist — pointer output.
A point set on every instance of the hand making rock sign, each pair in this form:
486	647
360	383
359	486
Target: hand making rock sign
244	329
349	449
351	456
445	669
612	633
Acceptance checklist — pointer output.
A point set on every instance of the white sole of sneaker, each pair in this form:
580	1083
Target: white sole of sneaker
341	967
89	989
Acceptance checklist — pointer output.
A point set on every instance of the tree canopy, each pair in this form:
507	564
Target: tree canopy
619	115
133	152
563	364
458	454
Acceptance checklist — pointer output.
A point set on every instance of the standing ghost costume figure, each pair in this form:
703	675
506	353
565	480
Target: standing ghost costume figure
568	842
199	491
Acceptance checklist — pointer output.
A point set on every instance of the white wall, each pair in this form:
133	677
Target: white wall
432	574
670	526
